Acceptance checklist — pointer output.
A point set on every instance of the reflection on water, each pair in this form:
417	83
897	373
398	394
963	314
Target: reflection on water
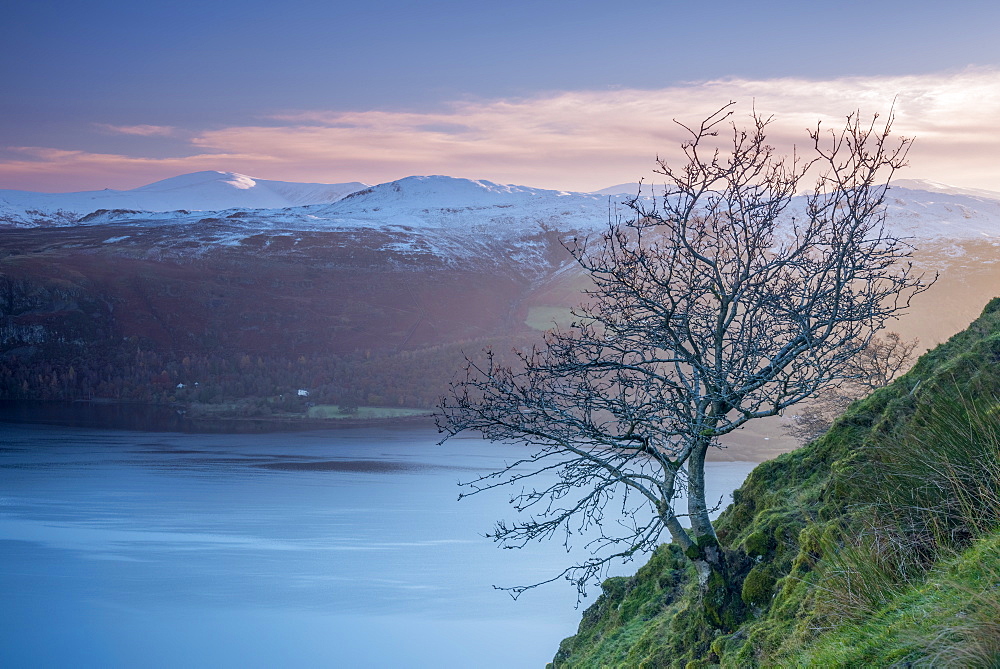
338	548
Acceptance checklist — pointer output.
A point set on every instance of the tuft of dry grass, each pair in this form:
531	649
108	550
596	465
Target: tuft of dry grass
925	511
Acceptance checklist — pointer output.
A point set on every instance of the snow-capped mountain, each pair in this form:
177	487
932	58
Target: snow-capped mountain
944	189
419	264
200	191
428	221
631	189
925	210
460	205
451	219
930	211
920	209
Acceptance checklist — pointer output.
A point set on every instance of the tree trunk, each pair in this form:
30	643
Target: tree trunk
723	606
701	524
705	552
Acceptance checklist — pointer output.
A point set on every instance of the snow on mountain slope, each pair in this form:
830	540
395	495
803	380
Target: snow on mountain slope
944	215
200	191
630	189
212	191
473	209
475	234
917	208
462	204
423	203
620	189
423	220
937	187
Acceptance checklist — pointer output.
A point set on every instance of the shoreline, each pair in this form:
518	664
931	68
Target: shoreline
757	445
142	417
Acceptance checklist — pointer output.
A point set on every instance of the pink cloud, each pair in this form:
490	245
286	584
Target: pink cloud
574	140
139	130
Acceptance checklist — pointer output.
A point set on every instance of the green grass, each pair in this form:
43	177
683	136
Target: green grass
875	544
949	618
544	318
332	411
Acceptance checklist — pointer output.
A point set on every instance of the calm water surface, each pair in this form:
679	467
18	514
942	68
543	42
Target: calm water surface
340	548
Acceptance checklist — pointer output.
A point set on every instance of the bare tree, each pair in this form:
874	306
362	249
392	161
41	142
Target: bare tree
880	362
711	307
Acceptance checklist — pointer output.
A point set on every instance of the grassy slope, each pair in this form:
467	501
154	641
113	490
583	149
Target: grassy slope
950	618
805	519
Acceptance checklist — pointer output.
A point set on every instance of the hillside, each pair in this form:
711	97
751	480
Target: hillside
371	295
371	299
878	544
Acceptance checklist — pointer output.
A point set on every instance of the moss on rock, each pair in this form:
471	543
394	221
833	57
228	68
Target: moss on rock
758	588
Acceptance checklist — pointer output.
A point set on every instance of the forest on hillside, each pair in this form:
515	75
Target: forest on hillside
256	384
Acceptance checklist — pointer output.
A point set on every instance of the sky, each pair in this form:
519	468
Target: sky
569	95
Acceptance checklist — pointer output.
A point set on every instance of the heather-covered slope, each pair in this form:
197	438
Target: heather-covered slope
874	545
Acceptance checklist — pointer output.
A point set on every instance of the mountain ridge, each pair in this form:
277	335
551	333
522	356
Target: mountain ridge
197	191
399	269
918	208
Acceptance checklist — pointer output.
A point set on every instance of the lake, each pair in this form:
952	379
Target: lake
331	548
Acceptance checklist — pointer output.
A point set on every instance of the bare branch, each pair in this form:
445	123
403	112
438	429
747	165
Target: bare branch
724	300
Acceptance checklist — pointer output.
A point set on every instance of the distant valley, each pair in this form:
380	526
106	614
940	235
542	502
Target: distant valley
357	294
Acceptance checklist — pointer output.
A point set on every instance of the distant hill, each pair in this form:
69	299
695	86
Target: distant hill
200	191
633	188
388	271
945	189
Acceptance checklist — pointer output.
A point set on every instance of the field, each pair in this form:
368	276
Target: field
332	411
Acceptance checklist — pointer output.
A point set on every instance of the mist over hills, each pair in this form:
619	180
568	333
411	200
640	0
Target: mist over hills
400	276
